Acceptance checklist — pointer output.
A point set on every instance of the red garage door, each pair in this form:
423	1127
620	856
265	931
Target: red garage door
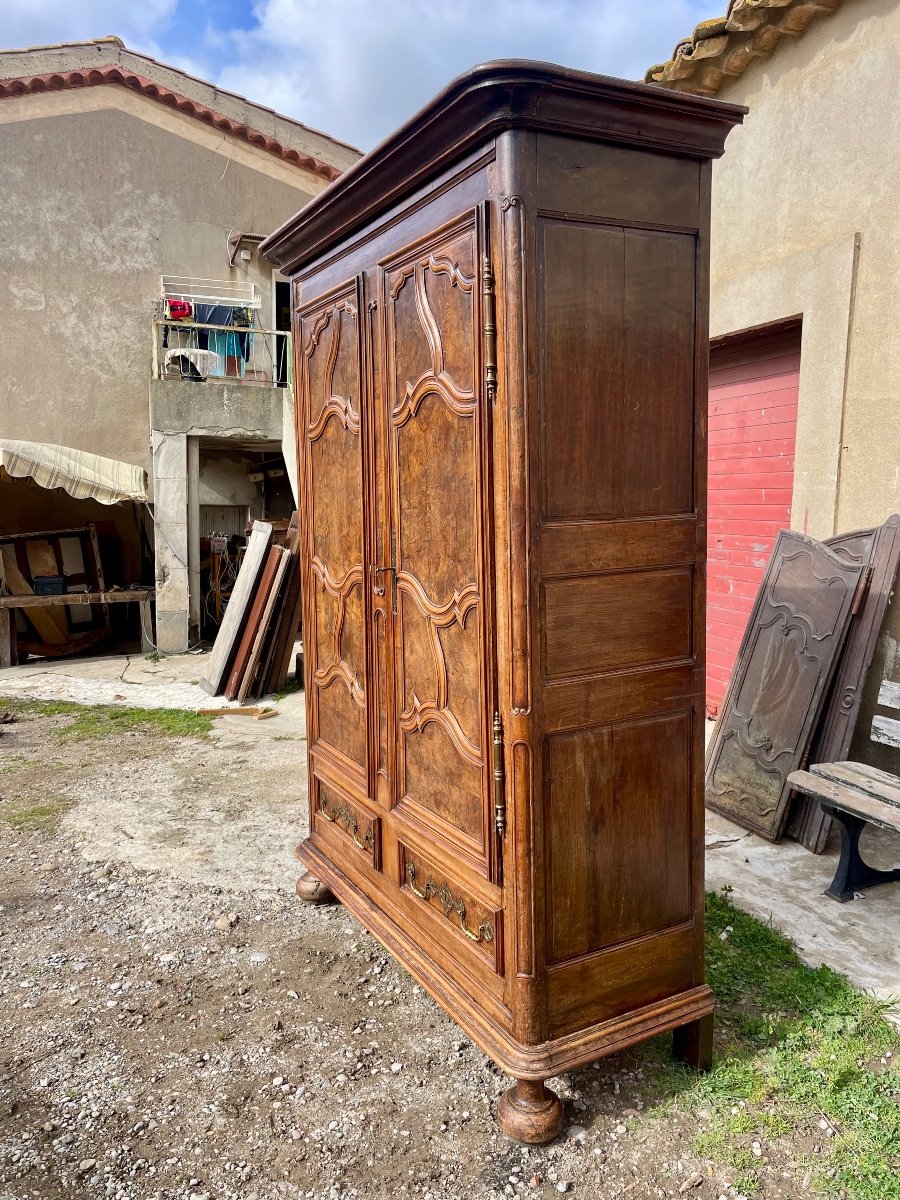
752	426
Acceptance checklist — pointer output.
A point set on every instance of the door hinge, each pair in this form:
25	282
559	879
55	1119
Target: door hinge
489	307
499	779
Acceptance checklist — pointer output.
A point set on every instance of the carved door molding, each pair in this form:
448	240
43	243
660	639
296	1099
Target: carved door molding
332	427
435	417
786	661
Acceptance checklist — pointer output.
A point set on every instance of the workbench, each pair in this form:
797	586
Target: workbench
142	596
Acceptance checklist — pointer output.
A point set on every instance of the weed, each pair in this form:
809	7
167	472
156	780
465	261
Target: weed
291	686
104	720
14	762
29	816
794	1048
154	656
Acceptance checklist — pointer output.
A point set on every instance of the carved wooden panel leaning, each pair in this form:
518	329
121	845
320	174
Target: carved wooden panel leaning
879	551
501	340
787	657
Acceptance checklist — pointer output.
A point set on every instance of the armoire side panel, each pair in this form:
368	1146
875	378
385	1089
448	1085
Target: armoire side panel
331	431
618	592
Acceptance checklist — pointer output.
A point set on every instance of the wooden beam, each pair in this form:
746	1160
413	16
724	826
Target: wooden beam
76	598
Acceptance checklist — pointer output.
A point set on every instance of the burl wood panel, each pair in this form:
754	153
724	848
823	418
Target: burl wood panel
618	869
331	424
435	433
796	631
618	365
608	622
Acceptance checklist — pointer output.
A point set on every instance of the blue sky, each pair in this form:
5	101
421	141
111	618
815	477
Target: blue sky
357	68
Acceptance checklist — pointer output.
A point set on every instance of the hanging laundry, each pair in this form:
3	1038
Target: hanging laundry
179	310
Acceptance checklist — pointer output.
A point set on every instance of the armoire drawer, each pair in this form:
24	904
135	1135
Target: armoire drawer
475	927
353	826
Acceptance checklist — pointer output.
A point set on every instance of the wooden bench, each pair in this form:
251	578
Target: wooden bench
854	795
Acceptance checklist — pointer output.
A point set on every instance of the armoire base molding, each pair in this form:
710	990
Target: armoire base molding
523	1062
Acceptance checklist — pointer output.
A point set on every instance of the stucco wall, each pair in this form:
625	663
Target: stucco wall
94	207
805	220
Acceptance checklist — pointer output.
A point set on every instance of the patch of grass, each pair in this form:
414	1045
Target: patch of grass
291	686
154	656
794	1047
105	720
14	762
29	816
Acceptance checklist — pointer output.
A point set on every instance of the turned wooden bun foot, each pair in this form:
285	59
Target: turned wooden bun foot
530	1112
313	890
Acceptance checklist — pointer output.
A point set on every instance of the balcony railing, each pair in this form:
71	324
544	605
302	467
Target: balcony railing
194	352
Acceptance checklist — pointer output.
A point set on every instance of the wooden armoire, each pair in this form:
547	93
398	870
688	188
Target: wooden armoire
500	340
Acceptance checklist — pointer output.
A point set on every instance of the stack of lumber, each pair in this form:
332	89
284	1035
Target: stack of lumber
252	653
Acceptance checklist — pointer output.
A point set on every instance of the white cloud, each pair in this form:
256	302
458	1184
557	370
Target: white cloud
358	68
44	22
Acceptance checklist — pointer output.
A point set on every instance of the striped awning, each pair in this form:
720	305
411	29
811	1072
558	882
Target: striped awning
84	476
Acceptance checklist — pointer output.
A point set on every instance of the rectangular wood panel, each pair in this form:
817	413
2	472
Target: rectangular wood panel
620	979
578	548
618	869
617	363
618	184
610	622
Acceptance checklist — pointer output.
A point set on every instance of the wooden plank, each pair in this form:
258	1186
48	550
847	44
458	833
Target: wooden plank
885	816
44	623
253	663
5	639
251	624
77	599
290	613
886	731
862	778
246	710
241	596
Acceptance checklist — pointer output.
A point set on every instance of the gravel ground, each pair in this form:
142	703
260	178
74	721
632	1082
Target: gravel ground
176	1024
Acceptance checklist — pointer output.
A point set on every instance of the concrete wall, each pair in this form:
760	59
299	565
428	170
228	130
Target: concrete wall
805	222
94	207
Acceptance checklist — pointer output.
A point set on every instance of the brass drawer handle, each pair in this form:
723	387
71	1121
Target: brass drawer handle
450	904
343	816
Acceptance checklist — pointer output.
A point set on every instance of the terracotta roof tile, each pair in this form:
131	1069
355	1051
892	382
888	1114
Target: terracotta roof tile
723	48
26	85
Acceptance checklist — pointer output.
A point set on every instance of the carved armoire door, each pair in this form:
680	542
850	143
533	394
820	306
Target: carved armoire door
434	429
332	425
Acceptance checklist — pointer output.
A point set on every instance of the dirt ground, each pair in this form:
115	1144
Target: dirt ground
176	1024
